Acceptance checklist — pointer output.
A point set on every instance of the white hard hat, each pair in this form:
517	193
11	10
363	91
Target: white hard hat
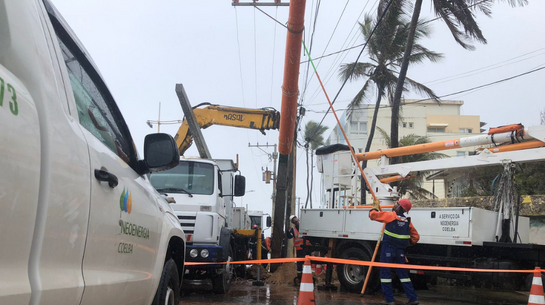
292	217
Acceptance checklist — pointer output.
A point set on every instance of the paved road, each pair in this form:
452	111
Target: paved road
242	292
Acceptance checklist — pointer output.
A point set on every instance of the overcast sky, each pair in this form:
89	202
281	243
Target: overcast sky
235	56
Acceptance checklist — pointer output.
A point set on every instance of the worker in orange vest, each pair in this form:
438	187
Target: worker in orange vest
298	244
399	232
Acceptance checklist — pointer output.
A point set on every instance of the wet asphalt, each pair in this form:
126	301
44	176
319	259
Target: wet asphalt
243	292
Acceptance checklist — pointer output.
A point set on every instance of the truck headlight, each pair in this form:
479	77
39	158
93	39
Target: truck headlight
193	253
204	253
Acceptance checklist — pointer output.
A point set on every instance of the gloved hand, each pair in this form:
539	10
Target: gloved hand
376	204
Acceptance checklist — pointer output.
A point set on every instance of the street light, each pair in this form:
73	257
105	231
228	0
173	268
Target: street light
159	122
250	191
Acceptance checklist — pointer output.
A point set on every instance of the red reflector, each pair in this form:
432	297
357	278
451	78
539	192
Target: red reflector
345	235
419	272
467	243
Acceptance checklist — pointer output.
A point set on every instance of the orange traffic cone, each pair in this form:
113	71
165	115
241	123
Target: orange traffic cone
536	292
306	292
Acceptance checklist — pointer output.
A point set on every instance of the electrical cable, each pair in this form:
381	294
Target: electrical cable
491	67
255	60
310	50
339	58
273	54
424	22
359	55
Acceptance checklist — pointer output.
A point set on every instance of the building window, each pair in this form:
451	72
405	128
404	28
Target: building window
466	130
436	129
358	127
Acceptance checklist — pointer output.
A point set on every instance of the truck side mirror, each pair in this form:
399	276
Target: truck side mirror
240	185
160	152
269	221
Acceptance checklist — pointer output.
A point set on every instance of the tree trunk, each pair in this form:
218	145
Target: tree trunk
396	103
370	137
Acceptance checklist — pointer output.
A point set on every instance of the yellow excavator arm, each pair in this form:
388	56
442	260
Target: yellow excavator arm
260	119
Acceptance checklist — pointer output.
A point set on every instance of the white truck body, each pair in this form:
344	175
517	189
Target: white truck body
451	236
69	238
457	226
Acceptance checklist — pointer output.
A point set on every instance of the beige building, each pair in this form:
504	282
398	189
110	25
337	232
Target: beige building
426	118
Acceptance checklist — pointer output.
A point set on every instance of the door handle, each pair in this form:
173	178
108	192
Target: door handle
106	176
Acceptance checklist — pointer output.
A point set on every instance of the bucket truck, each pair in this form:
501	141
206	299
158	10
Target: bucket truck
450	236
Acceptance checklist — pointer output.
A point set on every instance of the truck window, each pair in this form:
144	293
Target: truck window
97	111
193	177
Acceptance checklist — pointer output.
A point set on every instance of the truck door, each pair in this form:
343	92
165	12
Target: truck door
19	185
123	234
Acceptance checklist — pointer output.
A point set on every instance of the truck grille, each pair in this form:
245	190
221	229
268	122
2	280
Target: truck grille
187	223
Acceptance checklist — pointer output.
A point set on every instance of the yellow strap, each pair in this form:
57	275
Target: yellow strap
396	235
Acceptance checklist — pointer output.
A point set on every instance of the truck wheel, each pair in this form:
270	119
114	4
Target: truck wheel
222	281
352	277
168	292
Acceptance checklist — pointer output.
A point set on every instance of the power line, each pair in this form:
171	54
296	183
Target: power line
359	55
503	63
310	50
329	74
538	68
424	22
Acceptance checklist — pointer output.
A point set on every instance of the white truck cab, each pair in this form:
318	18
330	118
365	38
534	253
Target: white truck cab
203	190
81	223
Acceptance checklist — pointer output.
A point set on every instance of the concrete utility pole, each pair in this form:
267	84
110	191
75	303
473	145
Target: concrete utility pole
194	126
272	156
288	116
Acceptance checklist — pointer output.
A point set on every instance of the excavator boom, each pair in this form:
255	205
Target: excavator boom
260	119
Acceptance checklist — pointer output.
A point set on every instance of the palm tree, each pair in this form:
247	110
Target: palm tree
314	137
459	17
413	186
385	50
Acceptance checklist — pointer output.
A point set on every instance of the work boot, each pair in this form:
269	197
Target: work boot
412	303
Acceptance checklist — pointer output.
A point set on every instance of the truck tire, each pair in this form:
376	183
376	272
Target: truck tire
168	292
352	277
222	282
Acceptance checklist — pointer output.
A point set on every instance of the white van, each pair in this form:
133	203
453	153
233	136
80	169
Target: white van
79	221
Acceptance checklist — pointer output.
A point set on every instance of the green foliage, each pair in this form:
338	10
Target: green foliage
413	186
531	178
314	134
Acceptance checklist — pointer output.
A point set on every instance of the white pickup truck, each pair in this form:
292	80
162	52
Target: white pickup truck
79	221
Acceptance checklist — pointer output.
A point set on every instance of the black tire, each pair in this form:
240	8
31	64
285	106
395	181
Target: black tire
352	277
168	291
222	282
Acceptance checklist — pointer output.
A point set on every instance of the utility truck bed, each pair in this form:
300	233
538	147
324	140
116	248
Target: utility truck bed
459	226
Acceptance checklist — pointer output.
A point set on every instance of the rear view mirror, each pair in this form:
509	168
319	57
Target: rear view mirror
160	152
240	185
269	221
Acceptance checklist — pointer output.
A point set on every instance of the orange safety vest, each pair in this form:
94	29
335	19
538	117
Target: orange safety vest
297	240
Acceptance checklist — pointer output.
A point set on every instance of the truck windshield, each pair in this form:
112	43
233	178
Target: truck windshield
187	177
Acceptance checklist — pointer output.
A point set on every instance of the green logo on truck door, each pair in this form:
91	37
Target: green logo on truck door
12	95
125	201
